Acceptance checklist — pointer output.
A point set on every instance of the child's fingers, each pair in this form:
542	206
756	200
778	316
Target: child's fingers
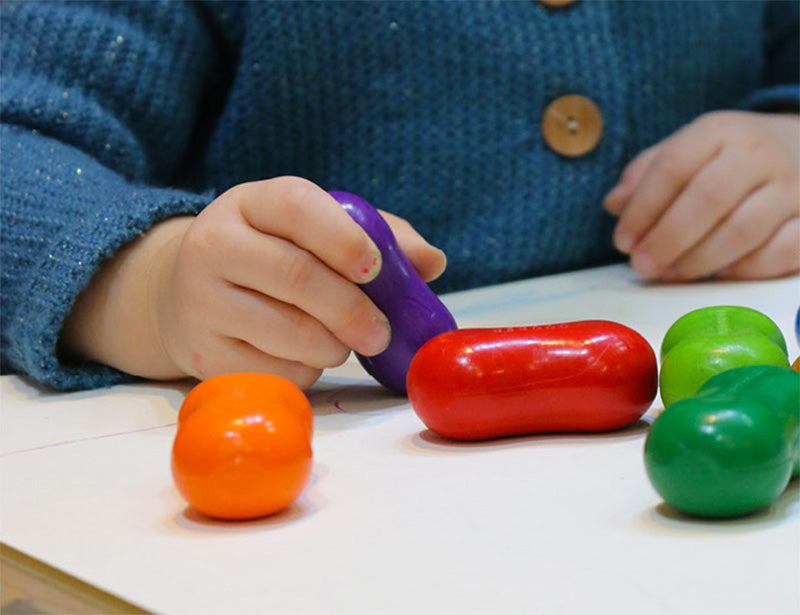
278	268
429	261
619	196
750	225
281	330
303	213
779	256
234	355
671	169
716	189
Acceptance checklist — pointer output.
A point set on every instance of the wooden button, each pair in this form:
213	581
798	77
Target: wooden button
556	3
572	125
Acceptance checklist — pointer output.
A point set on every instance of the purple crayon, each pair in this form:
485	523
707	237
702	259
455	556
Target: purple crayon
414	311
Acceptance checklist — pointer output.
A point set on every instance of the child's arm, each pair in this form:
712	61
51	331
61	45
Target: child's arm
720	196
100	105
264	279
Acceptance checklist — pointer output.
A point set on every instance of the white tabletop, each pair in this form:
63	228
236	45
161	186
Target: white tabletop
397	520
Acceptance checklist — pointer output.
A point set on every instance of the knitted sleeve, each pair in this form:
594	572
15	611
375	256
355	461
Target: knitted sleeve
99	104
781	89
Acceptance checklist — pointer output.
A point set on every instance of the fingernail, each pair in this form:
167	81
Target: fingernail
624	242
645	265
441	259
378	338
371	266
613	195
622	189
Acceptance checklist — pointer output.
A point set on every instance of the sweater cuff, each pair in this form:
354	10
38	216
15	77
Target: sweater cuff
32	346
149	205
61	220
773	99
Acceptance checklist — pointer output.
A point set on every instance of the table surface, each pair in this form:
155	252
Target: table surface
395	519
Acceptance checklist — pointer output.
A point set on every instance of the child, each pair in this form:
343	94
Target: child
165	165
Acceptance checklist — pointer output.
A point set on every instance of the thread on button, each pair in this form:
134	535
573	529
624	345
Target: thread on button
572	125
569	121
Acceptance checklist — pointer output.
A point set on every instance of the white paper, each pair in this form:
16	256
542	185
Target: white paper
397	520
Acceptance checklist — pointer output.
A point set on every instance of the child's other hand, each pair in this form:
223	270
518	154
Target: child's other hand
720	196
265	279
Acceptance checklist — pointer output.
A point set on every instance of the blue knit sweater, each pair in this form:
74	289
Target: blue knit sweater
118	115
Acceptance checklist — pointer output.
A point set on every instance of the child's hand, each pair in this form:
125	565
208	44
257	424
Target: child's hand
263	280
720	196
